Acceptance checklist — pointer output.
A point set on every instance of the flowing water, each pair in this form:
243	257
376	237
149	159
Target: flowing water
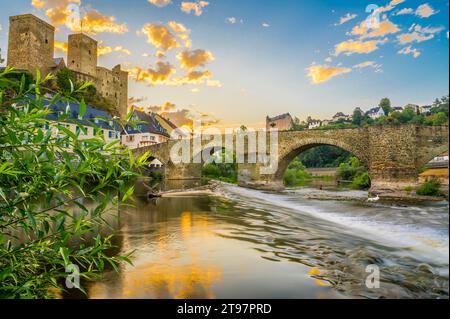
245	243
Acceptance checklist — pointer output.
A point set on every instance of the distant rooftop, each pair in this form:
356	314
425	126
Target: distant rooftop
150	125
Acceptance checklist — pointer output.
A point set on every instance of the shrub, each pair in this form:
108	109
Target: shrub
362	181
45	182
430	188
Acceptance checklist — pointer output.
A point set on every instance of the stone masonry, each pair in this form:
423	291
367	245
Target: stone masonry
31	45
393	155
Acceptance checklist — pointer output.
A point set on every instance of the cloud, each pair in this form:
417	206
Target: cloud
350	47
95	22
65	12
419	34
323	73
231	20
183	118
160	3
265	25
197	77
405	11
385	27
192	59
178	27
160	36
391	5
61	46
182	33
101	50
166	107
196	7
425	11
104	50
409	50
365	65
369	64
162	75
154	76
134	100
346	19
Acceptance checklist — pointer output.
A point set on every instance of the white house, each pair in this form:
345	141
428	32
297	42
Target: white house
312	124
148	131
426	109
341	116
441	158
92	123
375	113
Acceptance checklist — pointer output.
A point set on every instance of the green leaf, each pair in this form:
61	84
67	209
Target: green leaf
64	252
128	194
31	218
82	108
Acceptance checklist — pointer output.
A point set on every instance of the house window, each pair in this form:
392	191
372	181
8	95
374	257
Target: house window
112	135
152	138
130	138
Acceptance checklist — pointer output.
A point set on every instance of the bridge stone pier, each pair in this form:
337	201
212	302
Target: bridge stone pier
393	155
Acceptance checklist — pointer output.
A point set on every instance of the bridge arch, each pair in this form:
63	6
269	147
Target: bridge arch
289	154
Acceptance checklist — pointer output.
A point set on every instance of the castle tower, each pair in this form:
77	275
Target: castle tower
122	89
82	54
30	44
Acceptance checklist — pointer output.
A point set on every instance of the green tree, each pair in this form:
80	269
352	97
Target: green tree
440	118
45	182
386	105
66	81
357	117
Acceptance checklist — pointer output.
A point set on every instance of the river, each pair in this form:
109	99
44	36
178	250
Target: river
242	243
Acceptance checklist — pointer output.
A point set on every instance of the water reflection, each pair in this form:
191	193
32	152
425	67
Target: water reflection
250	244
182	251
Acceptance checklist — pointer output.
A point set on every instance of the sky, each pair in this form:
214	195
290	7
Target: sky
233	62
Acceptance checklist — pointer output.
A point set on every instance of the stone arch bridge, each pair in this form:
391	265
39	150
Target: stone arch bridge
393	155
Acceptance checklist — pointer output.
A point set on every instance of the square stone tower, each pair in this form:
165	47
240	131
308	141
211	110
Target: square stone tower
30	44
82	54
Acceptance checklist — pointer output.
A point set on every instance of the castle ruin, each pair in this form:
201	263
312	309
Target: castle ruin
31	45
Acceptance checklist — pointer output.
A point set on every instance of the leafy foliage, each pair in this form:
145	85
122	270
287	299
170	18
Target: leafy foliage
67	84
296	174
430	188
46	171
386	105
324	156
220	170
355	172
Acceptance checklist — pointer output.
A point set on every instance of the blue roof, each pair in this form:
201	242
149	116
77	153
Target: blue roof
92	116
150	125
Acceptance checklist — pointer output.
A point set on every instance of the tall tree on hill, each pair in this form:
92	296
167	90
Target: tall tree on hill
386	105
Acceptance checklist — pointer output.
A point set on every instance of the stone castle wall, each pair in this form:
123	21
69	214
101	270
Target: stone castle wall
31	45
